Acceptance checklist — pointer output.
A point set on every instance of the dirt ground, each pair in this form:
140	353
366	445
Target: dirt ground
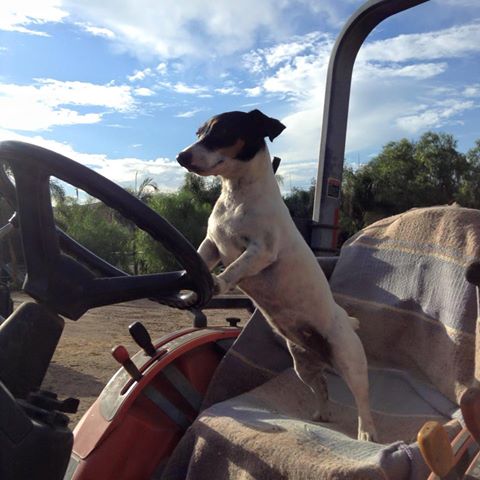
83	364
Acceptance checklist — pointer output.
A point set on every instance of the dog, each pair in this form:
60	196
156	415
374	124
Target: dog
250	231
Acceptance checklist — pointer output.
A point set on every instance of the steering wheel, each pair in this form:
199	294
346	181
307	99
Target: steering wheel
69	285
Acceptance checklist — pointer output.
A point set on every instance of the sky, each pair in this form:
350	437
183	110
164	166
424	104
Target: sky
122	86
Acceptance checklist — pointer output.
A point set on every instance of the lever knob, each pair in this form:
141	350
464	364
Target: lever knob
142	338
121	355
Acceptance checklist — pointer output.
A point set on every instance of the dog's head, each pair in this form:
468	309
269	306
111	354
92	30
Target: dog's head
226	139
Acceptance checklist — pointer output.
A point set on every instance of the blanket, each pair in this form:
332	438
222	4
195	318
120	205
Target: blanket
403	277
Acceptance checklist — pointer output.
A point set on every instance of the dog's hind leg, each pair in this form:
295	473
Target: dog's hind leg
310	371
348	357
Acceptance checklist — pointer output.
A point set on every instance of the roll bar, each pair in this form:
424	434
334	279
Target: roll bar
335	114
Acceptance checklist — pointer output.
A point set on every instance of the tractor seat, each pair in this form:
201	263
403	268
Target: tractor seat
403	277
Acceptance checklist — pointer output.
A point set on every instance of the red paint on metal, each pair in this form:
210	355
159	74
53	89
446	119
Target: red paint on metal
140	436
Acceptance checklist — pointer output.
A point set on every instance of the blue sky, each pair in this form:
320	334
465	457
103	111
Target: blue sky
122	86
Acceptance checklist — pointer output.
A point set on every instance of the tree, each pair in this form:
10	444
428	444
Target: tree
144	192
300	202
202	189
57	192
442	168
147	188
469	194
406	174
93	225
183	210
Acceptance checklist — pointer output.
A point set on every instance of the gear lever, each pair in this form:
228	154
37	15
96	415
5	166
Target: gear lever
142	338
121	355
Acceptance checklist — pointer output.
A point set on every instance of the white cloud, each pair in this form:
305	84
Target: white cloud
164	171
420	71
183	88
334	12
16	16
55	92
174	29
96	31
140	75
393	94
437	115
228	90
472	90
253	92
144	92
296	74
50	102
451	42
189	89
189	113
253	61
284	52
161	68
300	141
458	3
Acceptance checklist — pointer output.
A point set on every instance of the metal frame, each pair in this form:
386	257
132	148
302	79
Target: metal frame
335	114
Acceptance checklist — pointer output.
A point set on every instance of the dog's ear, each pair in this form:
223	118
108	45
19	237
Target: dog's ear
269	127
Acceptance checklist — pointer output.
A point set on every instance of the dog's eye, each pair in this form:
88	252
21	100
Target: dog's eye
219	136
218	131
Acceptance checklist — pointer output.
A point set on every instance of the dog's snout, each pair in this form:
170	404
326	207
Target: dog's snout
184	158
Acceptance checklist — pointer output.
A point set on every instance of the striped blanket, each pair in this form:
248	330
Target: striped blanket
404	278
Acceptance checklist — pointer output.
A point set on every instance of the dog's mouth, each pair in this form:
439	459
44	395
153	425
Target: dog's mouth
217	164
199	170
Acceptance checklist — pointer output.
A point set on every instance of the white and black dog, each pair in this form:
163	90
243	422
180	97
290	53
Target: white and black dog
252	233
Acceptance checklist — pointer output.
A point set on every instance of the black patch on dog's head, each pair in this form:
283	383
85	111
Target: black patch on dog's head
226	129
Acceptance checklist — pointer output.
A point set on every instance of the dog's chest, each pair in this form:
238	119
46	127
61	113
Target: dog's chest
230	227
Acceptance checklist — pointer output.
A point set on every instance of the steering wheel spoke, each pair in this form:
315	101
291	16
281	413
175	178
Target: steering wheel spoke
68	284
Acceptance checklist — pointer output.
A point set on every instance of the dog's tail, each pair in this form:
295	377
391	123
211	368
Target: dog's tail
354	322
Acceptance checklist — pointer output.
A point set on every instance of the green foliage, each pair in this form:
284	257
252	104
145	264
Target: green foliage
469	191
147	188
95	227
407	174
183	210
300	202
203	190
121	243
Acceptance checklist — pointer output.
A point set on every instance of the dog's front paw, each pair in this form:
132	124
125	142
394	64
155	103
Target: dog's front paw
220	285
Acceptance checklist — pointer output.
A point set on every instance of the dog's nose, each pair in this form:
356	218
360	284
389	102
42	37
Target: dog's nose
184	158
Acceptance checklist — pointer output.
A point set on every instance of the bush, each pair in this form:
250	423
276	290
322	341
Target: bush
187	214
96	228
